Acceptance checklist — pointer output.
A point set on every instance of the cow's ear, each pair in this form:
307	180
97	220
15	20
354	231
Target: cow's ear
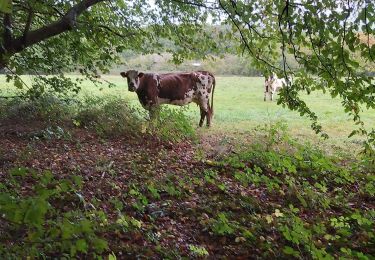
140	74
124	74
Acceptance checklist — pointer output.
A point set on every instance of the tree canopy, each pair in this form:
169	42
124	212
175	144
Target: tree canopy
331	41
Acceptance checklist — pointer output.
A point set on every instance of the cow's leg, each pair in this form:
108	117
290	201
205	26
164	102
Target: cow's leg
203	115
265	95
272	92
208	114
153	112
205	112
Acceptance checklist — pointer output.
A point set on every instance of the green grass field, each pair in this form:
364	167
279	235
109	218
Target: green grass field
239	107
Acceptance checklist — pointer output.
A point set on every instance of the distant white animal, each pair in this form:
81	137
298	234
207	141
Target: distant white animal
272	84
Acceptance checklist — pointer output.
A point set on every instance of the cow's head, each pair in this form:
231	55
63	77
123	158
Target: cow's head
133	77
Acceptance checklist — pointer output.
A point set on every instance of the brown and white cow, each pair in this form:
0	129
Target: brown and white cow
173	88
272	84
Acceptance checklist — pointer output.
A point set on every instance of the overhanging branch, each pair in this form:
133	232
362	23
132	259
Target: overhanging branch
28	24
66	23
7	23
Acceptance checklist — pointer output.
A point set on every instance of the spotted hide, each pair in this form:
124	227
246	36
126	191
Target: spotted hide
272	84
173	88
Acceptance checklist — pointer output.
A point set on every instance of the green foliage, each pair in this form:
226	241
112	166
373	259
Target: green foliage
140	200
128	223
302	235
316	219
199	251
48	108
171	124
222	226
333	50
6	6
216	65
109	116
42	226
92	41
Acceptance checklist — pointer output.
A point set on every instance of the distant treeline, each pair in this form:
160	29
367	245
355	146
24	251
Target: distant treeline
229	64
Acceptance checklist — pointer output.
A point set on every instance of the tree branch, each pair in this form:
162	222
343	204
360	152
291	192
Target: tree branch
66	23
207	5
368	35
107	28
243	38
28	24
7	22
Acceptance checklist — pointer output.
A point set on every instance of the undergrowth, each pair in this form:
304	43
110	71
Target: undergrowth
48	217
274	198
322	207
108	116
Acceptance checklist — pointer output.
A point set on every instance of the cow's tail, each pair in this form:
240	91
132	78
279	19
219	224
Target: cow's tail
212	94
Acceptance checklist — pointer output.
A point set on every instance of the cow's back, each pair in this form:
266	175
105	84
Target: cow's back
174	86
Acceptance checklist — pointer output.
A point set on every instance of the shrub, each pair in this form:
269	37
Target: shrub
45	108
172	124
110	116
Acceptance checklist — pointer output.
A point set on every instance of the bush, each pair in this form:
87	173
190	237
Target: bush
172	124
323	203
46	108
110	116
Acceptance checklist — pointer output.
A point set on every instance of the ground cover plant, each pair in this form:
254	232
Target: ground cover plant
75	187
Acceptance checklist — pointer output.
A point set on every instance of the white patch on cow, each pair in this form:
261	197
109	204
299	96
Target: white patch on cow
272	85
204	86
133	80
157	79
136	83
204	81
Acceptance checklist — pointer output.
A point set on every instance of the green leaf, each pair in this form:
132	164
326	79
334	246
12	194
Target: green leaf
6	6
100	245
36	212
290	251
18	83
19	171
81	245
112	256
67	229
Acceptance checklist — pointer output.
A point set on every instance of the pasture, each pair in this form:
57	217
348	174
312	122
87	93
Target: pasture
239	108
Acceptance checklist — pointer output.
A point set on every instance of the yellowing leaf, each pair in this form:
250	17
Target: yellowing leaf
269	219
278	213
240	239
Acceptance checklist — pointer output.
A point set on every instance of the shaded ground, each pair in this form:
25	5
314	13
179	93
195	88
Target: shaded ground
111	168
179	198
